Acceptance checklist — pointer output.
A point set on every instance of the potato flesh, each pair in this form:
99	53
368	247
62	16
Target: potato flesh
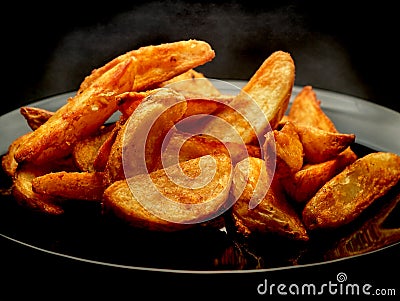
121	198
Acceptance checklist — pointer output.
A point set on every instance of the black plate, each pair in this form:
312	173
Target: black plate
86	235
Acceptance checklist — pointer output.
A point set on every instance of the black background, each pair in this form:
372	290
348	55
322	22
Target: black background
49	49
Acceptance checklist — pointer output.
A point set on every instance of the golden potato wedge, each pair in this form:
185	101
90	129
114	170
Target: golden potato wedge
305	183
288	149
141	137
271	86
306	109
173	198
25	196
273	214
261	103
320	145
80	117
85	151
158	63
343	198
35	117
86	186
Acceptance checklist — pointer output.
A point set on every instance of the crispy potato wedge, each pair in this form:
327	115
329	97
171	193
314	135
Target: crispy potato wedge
288	149
273	214
80	117
305	183
139	136
35	117
306	109
86	186
157	201
343	198
85	151
261	103
25	196
320	145
158	63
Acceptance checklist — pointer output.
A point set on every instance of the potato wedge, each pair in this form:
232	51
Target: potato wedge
158	63
35	117
155	202
80	117
343	198
273	214
141	137
86	186
85	151
305	183
261	103
306	109
285	144
320	145
27	198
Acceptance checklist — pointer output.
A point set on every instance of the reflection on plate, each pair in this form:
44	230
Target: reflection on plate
85	234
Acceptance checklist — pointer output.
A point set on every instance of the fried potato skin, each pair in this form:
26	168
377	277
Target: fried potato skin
343	198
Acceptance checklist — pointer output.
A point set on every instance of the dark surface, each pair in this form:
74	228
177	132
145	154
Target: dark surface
48	49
